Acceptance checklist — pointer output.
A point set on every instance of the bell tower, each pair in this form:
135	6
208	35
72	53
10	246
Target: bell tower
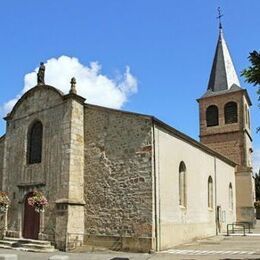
225	125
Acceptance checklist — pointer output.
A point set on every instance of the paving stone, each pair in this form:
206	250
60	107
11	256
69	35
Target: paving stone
8	257
59	257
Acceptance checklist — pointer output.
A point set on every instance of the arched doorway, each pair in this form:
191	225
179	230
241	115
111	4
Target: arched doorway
31	222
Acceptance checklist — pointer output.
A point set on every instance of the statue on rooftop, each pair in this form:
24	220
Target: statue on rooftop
40	74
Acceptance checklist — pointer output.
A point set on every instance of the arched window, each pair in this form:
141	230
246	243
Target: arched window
246	115
210	192
248	118
230	111
230	196
182	184
35	143
212	115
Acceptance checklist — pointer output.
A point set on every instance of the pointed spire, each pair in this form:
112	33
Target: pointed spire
73	86
223	74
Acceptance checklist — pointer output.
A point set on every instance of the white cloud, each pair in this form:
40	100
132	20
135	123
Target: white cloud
96	87
256	160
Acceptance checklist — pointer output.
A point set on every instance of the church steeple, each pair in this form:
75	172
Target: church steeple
223	75
225	124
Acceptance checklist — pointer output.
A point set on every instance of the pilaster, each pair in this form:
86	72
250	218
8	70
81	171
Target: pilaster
70	205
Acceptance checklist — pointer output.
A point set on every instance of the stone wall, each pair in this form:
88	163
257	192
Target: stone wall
118	177
1	160
71	192
44	104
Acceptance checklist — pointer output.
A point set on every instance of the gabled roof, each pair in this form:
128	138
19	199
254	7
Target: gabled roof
223	74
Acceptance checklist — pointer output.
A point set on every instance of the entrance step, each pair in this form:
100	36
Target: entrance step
6	242
26	240
24	244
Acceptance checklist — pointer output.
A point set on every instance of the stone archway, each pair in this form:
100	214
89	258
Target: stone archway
31	221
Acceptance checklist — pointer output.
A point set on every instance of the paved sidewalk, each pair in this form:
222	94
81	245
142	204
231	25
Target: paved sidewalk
215	248
228	248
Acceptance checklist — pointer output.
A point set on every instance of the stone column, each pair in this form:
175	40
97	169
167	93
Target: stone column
19	224
6	221
70	205
41	235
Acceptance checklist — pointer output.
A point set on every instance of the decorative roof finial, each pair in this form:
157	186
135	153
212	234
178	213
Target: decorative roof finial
40	74
73	86
219	18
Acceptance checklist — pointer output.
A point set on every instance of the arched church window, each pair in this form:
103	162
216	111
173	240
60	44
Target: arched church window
182	184
230	111
248	118
212	115
246	115
35	143
230	196
210	192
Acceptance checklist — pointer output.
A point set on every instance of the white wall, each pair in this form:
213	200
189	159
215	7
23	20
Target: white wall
176	224
225	176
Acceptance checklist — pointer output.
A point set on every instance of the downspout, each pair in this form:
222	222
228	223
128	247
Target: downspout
155	191
216	212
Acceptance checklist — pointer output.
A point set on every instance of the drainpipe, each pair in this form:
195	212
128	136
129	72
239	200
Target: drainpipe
155	191
215	177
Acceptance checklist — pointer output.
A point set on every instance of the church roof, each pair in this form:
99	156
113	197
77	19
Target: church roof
223	76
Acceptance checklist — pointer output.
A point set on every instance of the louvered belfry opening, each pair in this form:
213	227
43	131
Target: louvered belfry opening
230	113
212	115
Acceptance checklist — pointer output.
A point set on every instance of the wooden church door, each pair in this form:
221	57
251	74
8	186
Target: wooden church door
31	224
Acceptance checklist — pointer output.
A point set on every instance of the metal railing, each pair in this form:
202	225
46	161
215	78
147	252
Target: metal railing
248	225
236	227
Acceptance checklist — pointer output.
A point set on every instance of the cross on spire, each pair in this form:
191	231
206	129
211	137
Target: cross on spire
219	17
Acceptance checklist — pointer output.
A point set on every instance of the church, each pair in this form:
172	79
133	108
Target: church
123	180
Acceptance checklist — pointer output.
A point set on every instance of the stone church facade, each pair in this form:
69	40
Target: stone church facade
118	179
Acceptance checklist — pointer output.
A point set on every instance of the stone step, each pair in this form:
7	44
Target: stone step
47	250
5	246
26	240
29	245
7	242
32	245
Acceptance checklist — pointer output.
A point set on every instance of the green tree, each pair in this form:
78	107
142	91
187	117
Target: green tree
257	186
252	73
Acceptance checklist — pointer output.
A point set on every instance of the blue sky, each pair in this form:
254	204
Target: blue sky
168	46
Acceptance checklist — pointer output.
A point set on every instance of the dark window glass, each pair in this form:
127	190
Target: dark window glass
210	192
182	185
248	117
230	113
212	116
35	143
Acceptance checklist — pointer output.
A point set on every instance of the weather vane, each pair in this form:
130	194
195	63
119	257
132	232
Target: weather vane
219	17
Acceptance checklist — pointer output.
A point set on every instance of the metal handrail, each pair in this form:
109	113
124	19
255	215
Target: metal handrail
248	224
234	228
